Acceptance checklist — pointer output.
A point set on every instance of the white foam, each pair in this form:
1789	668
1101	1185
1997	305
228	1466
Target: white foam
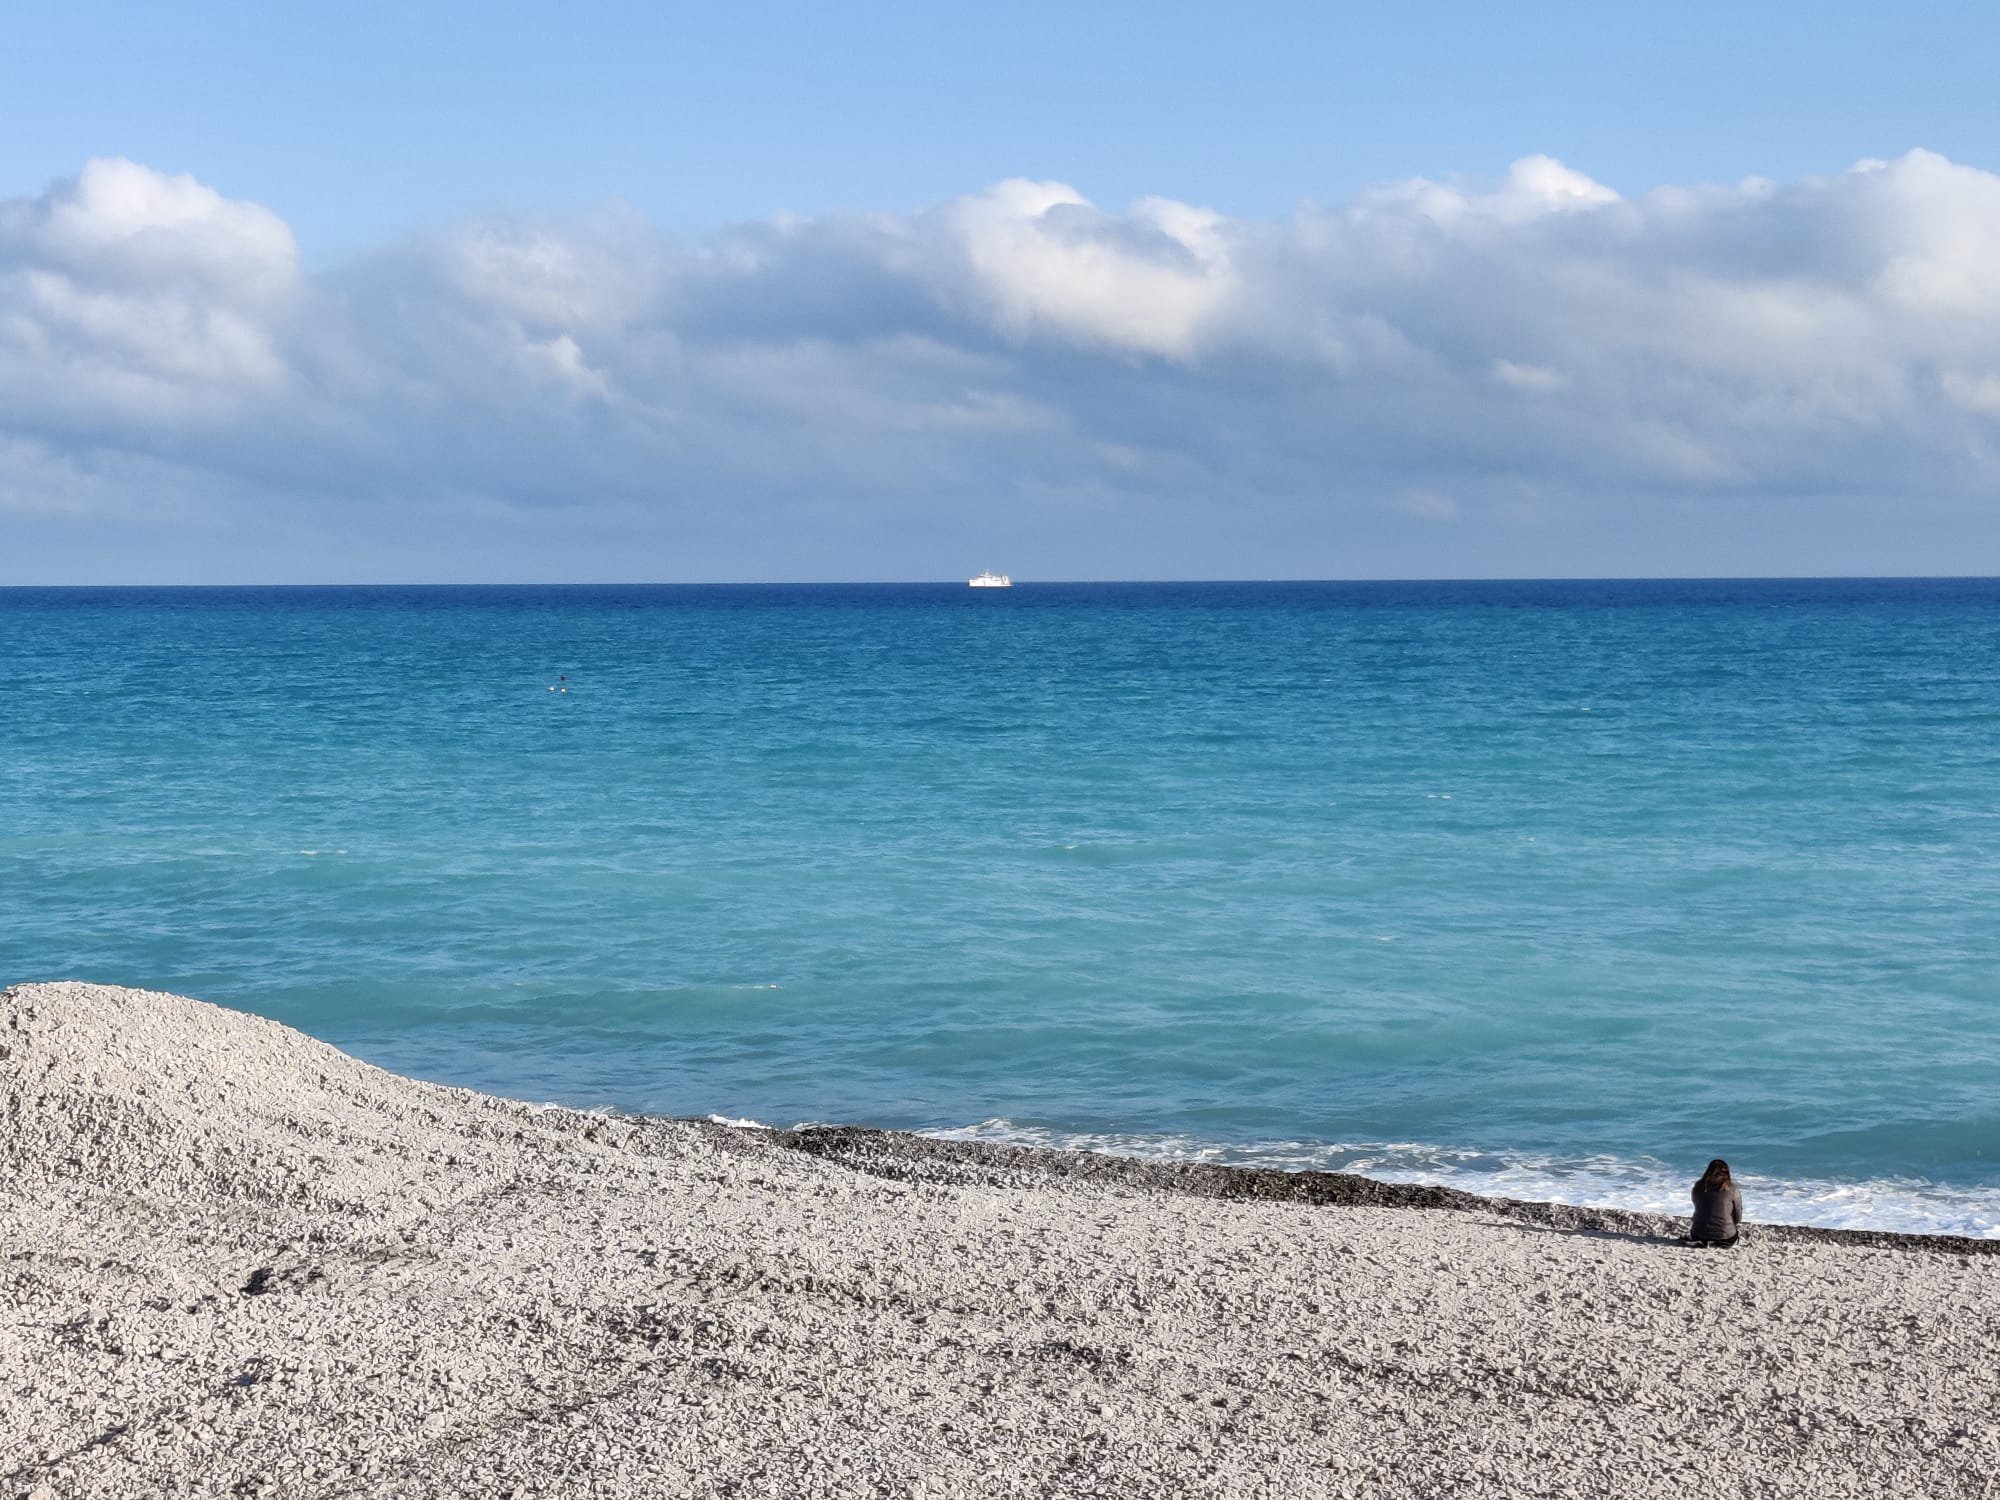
735	1124
1907	1205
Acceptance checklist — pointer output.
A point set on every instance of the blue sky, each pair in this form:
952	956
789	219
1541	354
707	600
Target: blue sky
361	121
774	291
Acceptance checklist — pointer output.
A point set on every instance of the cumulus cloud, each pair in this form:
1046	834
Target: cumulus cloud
1038	260
1540	361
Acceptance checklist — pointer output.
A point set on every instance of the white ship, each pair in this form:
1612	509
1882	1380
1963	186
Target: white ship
991	581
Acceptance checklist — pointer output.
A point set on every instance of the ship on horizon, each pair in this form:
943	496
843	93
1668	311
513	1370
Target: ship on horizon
990	581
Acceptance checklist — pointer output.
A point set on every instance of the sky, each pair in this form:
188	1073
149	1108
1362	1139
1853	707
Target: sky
795	292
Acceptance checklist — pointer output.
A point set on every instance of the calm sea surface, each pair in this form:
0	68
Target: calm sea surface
1552	889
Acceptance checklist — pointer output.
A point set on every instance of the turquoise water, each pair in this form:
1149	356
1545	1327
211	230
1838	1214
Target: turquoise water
1550	889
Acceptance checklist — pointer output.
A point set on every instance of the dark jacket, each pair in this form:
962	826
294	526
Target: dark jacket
1718	1212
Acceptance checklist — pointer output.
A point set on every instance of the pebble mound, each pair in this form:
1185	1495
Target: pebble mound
235	1261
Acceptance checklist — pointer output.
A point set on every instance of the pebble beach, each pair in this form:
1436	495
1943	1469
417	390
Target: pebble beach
236	1261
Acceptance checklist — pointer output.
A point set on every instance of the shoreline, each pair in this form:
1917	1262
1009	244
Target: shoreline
237	1261
914	1157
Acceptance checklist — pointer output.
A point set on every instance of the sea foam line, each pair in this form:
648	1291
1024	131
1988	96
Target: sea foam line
1906	1205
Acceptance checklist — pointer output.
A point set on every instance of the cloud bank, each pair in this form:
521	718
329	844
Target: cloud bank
1531	375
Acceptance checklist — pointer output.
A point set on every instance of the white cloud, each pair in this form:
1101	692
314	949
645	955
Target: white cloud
596	275
1541	184
1023	359
132	300
1532	188
1522	377
117	220
1042	260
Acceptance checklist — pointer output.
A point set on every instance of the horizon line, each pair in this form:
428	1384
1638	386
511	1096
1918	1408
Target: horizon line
517	583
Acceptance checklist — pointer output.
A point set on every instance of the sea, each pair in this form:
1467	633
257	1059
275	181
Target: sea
1554	890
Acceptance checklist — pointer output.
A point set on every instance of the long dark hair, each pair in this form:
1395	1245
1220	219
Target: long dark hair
1715	1179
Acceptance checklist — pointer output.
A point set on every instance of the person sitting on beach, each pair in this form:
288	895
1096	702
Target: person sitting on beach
1718	1208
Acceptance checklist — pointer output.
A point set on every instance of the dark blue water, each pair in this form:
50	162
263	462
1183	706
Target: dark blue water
1550	888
